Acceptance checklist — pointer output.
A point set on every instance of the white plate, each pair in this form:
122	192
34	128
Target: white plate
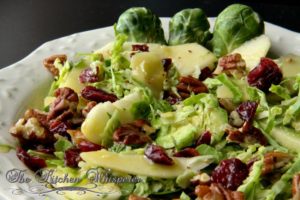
26	82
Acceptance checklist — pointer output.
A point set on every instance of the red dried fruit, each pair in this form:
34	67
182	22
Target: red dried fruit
158	155
94	94
205	73
171	98
230	173
89	75
57	126
140	47
187	153
205	138
246	110
72	157
166	64
32	162
265	74
86	146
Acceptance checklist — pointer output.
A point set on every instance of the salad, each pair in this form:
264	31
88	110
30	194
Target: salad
201	115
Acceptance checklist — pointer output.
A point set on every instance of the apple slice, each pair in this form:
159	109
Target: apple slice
253	50
94	125
138	164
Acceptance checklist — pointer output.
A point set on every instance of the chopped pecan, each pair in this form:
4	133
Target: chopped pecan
232	64
65	104
94	94
227	104
49	63
133	133
40	116
81	142
296	187
246	134
30	133
274	161
136	197
88	108
217	192
188	85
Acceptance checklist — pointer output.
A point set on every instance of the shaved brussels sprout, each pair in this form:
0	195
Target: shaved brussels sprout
234	25
188	26
140	25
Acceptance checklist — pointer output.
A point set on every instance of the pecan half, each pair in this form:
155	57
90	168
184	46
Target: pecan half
133	133
49	63
136	197
65	104
232	64
296	187
88	108
188	85
94	94
32	130
217	192
274	161
246	134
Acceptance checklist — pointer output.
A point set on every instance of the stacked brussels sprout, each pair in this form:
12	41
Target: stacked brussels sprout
234	25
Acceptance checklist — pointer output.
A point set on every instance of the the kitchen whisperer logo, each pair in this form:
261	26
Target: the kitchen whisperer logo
95	180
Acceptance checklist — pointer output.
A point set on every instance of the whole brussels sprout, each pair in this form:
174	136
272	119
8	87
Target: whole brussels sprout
188	26
234	25
140	25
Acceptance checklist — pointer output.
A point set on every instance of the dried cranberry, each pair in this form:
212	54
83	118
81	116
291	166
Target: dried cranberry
94	94
140	47
246	110
205	73
171	98
32	162
265	74
230	173
166	63
58	127
205	138
86	146
72	157
89	75
187	153
158	155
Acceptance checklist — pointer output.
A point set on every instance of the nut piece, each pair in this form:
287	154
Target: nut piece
232	64
188	85
135	197
49	63
274	161
296	187
217	192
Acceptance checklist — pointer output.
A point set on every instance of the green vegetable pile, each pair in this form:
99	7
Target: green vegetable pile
188	116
